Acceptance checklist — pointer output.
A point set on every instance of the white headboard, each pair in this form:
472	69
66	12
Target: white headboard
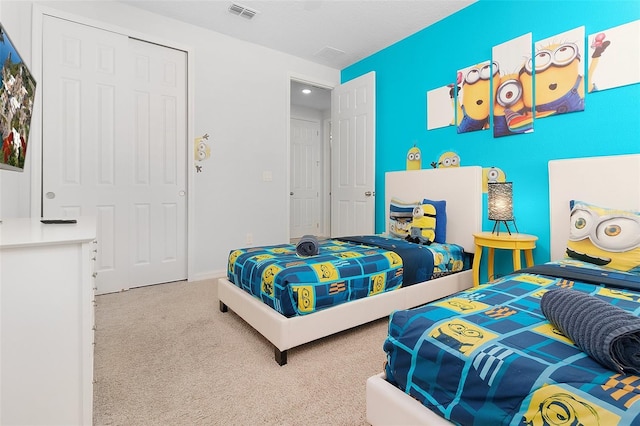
608	181
461	187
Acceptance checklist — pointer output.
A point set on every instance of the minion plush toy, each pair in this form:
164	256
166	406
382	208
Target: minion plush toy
423	225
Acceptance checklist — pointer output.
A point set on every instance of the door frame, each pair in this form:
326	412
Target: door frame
325	199
35	137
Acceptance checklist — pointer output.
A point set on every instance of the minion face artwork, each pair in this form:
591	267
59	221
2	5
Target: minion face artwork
448	159
325	271
377	284
414	159
461	335
306	297
509	116
462	305
201	151
268	277
423	225
564	408
232	259
559	87
348	254
475	101
492	175
604	237
395	261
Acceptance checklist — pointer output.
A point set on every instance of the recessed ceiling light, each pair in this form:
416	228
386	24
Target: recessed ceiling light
306	91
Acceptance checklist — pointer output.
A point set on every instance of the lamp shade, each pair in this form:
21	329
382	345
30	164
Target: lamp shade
500	200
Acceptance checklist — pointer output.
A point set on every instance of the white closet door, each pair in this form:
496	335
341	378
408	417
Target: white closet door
114	146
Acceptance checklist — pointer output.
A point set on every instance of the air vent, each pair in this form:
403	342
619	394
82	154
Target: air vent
243	11
329	52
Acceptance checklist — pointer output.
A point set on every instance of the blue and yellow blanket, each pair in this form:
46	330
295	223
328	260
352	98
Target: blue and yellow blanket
341	271
489	356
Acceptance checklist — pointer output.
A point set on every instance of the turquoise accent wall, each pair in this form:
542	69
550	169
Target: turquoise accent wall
429	59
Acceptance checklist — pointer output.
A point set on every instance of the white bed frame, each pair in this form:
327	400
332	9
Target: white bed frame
609	181
461	187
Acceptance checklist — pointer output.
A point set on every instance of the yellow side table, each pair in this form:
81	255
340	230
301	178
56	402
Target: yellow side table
514	242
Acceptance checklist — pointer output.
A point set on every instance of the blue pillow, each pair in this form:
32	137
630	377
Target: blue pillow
441	219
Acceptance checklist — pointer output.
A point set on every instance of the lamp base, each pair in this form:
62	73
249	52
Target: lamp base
496	226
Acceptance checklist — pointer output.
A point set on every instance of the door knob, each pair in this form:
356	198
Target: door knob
368	193
291	193
50	195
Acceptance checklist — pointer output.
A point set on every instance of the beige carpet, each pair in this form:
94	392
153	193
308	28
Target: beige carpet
166	355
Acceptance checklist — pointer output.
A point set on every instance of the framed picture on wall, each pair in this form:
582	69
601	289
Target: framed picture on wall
511	116
614	57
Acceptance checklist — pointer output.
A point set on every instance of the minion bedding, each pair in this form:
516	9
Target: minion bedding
558	343
344	269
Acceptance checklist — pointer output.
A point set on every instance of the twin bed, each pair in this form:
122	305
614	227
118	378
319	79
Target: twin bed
292	300
504	352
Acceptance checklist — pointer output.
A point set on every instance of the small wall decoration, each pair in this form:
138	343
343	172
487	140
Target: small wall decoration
510	116
492	175
202	151
414	158
614	57
474	97
559	74
441	107
448	159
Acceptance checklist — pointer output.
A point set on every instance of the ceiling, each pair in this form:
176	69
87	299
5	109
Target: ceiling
335	33
319	98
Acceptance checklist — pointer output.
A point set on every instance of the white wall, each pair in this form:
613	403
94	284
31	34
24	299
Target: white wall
241	100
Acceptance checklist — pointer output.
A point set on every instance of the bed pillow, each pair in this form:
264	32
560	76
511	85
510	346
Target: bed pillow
606	237
400	217
441	219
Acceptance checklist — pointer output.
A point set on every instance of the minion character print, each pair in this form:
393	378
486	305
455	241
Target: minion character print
608	238
414	158
492	175
474	97
202	151
552	405
461	335
559	80
509	113
447	160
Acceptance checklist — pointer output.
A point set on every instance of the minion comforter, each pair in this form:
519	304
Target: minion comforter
490	356
345	269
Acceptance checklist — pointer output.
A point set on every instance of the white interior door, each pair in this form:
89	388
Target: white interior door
305	177
353	108
114	147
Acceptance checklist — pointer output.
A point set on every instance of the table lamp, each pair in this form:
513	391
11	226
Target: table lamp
500	201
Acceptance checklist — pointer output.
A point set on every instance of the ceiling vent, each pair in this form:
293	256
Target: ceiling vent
329	53
243	11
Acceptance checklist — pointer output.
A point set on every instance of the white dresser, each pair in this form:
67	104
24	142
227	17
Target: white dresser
46	322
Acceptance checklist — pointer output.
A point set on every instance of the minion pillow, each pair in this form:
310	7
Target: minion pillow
400	217
609	238
440	207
